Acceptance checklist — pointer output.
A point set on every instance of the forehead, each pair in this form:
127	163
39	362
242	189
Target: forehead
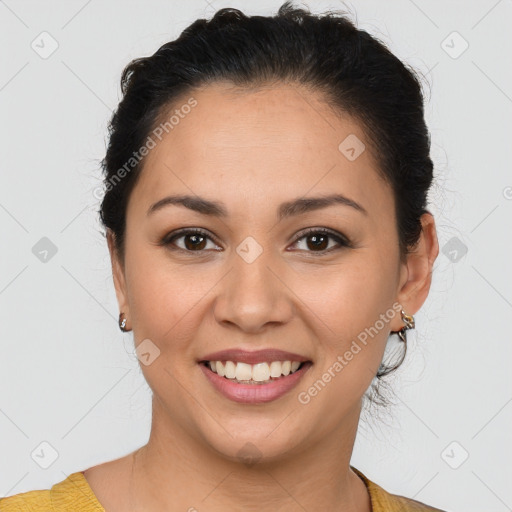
261	142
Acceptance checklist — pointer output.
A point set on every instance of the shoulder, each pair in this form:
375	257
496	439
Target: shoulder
30	501
72	493
383	501
401	503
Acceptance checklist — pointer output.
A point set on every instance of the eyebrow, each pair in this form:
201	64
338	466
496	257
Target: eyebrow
298	206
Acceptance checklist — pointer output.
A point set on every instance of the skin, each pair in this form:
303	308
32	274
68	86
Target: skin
253	150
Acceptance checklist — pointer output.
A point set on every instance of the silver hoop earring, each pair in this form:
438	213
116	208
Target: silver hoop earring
122	322
408	320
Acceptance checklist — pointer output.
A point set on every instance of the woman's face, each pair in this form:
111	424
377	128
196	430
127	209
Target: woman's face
253	280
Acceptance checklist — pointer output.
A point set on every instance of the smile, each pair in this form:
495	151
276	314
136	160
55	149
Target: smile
260	373
253	391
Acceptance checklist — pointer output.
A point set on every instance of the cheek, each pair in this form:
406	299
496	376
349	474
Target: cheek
165	305
352	307
167	301
351	296
352	315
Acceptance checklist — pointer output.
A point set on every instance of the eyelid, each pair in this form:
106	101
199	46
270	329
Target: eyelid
167	239
336	235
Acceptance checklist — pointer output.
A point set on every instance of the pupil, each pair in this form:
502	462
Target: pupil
194	239
316	239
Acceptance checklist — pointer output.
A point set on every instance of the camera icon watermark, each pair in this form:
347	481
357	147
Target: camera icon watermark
44	45
454	45
44	250
249	249
147	352
351	147
454	249
455	455
249	454
44	454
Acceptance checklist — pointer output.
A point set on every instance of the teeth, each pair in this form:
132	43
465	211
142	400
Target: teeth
230	369
260	372
220	368
243	371
275	369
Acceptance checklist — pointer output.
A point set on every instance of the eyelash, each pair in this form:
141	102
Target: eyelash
340	239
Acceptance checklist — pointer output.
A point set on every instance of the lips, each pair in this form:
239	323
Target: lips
266	388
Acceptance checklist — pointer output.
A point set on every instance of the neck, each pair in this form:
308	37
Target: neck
176	471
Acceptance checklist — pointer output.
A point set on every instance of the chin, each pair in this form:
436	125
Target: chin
257	440
255	450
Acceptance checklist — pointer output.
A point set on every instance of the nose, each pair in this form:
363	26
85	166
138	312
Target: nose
254	294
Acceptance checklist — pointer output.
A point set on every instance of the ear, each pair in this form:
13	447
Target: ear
416	275
118	277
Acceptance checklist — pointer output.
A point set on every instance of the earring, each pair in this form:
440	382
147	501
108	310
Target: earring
122	323
408	320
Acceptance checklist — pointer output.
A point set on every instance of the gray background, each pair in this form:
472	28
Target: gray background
68	376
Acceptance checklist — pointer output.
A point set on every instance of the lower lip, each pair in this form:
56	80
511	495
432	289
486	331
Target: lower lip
254	393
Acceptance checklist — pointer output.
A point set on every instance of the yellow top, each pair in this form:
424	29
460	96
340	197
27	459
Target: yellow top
74	495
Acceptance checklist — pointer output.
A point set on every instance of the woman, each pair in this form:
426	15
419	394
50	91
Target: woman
266	183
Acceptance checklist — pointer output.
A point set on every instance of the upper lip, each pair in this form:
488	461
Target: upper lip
253	356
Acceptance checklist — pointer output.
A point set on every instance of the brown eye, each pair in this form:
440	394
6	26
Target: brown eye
317	240
194	240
